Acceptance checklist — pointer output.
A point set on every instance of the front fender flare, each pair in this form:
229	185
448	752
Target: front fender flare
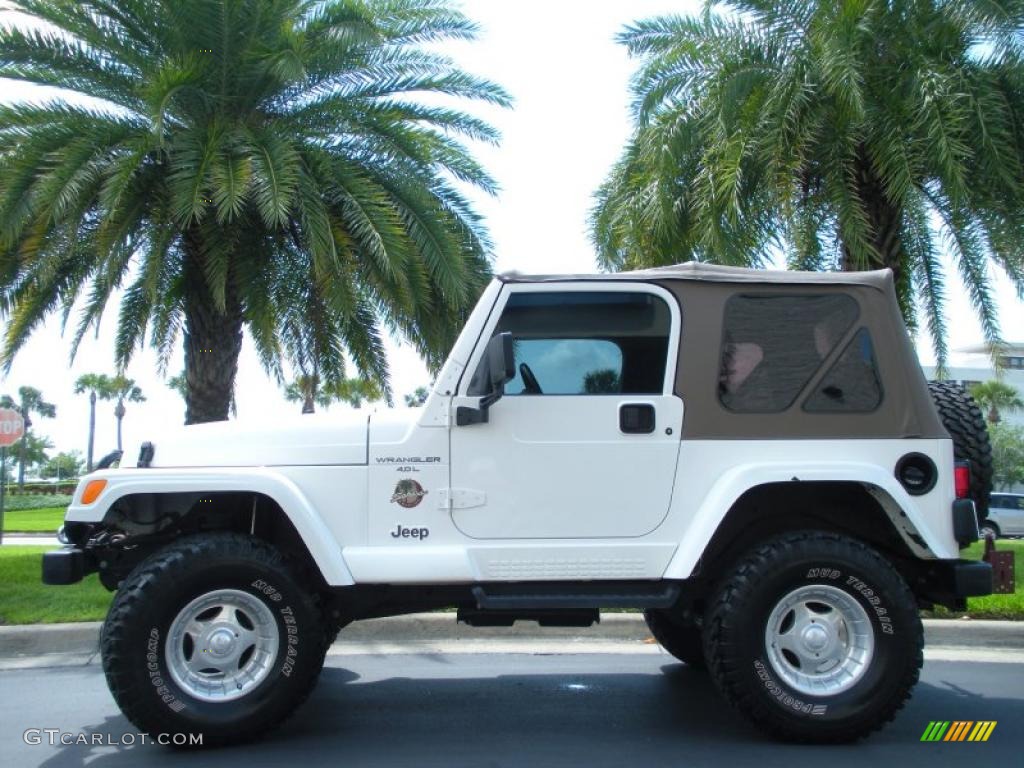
323	548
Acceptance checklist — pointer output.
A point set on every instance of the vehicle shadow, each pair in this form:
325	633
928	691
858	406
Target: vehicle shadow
675	718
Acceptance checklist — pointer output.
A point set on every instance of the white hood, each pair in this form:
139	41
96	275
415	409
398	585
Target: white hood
277	441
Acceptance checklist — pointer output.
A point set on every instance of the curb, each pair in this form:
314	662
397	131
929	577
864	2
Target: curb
30	539
83	638
46	639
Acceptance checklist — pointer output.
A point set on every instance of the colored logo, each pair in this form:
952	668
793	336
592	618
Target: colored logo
408	494
959	730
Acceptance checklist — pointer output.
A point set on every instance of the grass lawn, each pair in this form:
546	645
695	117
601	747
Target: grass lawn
14	501
993	606
24	599
34	520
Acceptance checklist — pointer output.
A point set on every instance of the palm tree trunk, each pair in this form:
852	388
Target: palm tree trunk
22	449
885	220
92	430
119	413
21	462
213	341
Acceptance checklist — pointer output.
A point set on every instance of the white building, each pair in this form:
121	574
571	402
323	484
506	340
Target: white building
971	365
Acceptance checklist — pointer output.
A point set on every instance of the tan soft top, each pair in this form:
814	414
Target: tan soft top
703	291
880	279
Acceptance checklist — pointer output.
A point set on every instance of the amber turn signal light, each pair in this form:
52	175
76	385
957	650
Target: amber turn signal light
93	490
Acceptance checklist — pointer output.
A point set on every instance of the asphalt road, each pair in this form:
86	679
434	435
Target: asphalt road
639	709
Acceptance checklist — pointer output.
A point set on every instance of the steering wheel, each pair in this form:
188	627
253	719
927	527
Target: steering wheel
530	385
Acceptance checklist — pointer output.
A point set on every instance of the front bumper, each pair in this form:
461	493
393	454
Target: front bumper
68	565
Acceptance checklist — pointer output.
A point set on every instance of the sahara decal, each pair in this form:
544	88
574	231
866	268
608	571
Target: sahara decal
408	494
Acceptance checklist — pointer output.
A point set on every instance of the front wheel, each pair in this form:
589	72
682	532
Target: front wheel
814	637
212	636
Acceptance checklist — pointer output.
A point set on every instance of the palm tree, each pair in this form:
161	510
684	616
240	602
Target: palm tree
417	397
63	466
244	164
307	389
30	401
123	389
98	386
35	450
841	131
602	381
356	391
996	396
180	385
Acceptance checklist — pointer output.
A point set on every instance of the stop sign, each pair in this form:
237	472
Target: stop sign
12	427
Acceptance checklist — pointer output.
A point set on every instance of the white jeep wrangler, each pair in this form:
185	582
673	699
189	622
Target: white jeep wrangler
752	458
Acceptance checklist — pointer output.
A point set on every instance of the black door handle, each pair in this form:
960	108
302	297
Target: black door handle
636	418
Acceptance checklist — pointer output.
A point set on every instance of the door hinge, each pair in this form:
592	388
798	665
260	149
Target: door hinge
460	498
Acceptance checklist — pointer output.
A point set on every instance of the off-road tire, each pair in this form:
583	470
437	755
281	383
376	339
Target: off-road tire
965	423
134	636
683	641
735	641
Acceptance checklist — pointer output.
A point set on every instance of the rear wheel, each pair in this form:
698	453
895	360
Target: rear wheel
814	637
213	635
682	640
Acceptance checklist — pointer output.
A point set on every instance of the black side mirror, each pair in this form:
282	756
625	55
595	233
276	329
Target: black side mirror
501	368
501	361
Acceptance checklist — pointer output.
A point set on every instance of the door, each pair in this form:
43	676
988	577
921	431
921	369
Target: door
585	441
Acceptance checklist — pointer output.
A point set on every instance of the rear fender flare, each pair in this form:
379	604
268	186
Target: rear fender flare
894	500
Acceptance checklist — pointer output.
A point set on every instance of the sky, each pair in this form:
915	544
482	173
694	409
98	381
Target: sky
570	120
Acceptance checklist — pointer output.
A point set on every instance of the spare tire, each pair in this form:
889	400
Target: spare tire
963	420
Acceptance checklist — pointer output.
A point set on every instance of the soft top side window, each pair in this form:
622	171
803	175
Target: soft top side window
772	345
584	343
852	384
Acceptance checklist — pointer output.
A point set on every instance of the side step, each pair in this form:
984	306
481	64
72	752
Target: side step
554	604
576	618
555	595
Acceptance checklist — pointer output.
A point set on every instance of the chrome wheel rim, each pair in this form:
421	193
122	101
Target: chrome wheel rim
222	645
819	640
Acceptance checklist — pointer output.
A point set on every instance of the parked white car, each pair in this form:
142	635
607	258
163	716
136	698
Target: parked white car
752	458
1005	516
